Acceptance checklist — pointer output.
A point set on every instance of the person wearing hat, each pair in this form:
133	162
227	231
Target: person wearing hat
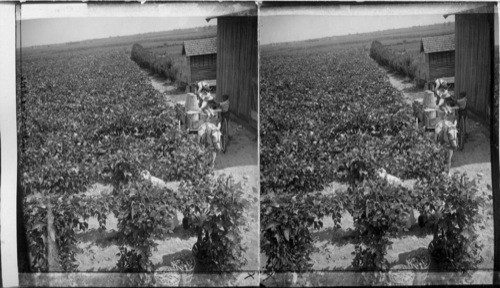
205	97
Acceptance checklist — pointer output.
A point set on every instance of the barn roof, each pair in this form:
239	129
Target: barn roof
200	47
488	8
247	12
438	43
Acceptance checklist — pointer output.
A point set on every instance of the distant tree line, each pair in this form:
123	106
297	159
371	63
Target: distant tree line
161	65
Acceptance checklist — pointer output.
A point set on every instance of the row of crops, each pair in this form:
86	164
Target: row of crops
335	117
404	63
161	65
95	118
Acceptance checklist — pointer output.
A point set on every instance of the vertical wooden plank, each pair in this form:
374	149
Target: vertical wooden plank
237	62
458	52
189	69
480	57
488	64
473	59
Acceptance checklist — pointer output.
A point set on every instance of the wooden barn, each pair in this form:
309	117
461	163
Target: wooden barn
237	62
201	59
439	56
474	56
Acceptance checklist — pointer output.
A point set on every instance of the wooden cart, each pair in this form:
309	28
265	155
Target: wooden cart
190	116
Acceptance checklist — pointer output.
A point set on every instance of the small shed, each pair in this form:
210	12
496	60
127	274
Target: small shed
201	59
439	56
474	55
237	62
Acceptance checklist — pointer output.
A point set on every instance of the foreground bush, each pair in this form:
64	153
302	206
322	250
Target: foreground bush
456	205
214	210
380	211
144	212
285	223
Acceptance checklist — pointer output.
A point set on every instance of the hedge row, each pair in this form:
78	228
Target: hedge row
403	63
161	65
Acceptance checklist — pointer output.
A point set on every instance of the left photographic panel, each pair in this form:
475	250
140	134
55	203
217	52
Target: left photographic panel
137	144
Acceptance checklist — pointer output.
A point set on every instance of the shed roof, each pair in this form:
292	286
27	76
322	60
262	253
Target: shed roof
438	43
484	8
200	47
247	12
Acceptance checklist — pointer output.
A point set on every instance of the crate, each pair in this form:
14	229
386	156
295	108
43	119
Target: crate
191	102
429	100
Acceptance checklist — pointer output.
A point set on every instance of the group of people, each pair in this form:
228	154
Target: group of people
207	102
445	100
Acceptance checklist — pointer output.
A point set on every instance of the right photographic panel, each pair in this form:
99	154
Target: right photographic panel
378	126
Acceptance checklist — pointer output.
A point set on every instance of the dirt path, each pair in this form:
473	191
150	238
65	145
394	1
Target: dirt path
170	92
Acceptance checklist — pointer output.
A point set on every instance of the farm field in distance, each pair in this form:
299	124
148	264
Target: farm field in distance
155	40
397	39
90	123
330	118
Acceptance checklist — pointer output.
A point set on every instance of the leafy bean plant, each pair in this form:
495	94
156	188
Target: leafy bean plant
71	213
36	227
379	210
215	211
145	212
455	204
285	224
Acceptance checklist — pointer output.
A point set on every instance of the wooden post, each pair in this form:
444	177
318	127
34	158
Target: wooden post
52	251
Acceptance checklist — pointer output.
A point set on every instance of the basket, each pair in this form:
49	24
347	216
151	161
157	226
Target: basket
419	260
192	102
429	100
401	275
184	264
166	276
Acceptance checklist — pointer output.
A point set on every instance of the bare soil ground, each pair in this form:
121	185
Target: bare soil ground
332	258
98	249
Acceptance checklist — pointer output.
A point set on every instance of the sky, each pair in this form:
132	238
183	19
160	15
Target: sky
50	23
285	28
62	30
278	25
